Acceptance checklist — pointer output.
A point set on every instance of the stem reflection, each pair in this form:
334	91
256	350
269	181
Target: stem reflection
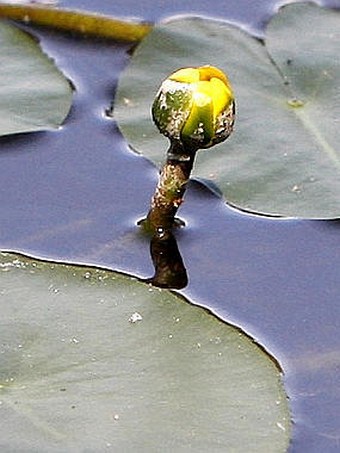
170	271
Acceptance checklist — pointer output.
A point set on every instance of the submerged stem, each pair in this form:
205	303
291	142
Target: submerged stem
78	22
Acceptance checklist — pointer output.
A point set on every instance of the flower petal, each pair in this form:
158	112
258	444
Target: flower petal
221	95
186	75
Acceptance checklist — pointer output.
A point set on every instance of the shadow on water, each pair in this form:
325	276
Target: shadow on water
75	195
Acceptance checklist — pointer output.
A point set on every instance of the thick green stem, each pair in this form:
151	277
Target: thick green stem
171	186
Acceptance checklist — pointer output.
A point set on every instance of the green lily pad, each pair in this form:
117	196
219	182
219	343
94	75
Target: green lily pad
283	158
92	359
34	95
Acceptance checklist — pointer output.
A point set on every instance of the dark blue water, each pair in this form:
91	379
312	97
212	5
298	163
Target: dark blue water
75	195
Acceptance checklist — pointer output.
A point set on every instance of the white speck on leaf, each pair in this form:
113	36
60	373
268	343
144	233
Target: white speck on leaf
135	317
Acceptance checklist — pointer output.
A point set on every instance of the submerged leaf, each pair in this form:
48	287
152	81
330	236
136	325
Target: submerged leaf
92	359
283	158
34	95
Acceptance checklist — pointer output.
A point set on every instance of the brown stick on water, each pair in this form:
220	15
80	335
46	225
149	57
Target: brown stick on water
171	187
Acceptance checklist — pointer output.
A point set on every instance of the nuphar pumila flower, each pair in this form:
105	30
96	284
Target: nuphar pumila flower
195	106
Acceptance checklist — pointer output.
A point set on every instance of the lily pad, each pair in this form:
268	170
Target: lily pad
92	359
283	158
34	94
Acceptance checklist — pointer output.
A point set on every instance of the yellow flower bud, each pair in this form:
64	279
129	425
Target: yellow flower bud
195	106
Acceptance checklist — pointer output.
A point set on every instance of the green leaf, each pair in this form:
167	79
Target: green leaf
34	95
283	158
92	359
